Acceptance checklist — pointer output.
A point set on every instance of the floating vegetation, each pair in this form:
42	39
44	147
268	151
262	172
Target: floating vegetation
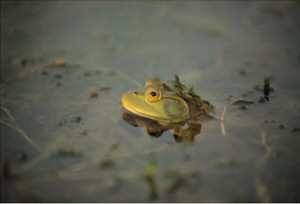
242	71
58	76
58	84
114	146
112	73
190	96
243	107
83	132
76	119
270	121
105	88
151	166
60	63
262	99
240	102
42	67
90	73
225	164
266	88
107	163
68	153
149	174
93	94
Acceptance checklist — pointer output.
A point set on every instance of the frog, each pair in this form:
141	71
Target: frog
155	130
169	106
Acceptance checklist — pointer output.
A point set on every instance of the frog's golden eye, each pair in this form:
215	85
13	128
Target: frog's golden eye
152	95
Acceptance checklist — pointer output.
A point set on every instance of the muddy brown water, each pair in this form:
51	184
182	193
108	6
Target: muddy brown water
62	134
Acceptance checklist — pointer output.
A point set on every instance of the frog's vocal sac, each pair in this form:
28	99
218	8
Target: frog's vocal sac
164	104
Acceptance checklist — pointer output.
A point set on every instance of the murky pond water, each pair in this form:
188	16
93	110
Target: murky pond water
63	138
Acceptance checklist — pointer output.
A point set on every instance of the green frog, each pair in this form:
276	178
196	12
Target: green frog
168	107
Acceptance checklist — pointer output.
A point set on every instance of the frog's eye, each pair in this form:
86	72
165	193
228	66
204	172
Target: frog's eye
152	95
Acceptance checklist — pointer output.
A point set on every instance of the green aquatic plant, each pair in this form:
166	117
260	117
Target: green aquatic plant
266	88
149	174
189	95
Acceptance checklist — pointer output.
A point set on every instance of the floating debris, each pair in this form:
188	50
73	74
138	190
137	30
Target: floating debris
90	73
44	72
68	153
93	94
266	88
112	73
58	76
243	108
242	72
87	74
58	84
76	119
224	164
60	63
261	99
83	132
270	121
114	146
105	88
107	163
23	61
242	102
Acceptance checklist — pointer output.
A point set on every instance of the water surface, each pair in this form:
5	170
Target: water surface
82	150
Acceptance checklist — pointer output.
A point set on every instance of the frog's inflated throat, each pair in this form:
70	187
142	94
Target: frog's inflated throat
159	102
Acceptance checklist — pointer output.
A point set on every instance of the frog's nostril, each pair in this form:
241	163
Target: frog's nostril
135	92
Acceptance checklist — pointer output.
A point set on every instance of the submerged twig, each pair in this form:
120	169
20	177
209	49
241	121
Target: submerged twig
222	118
11	122
223	130
224	112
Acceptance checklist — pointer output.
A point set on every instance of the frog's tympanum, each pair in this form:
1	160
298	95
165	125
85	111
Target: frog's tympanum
160	107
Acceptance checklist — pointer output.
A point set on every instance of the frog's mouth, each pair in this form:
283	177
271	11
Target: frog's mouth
136	103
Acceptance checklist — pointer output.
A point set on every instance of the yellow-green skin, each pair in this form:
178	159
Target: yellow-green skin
169	108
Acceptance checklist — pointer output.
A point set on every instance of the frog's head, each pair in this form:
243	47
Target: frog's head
155	102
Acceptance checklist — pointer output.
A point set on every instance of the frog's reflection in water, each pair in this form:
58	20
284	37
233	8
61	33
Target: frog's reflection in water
182	132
